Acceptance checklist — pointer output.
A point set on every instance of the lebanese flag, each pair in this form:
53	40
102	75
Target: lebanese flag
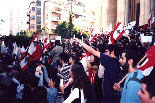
153	22
92	36
92	39
149	63
86	54
32	47
23	51
150	20
118	31
82	32
24	63
111	38
84	62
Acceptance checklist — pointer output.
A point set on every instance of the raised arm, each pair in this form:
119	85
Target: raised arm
45	73
95	67
41	80
89	49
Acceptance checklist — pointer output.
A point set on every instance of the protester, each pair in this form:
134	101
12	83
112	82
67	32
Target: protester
17	69
56	51
132	83
111	64
52	82
92	73
147	91
81	90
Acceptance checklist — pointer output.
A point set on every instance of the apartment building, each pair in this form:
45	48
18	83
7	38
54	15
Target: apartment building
35	15
49	13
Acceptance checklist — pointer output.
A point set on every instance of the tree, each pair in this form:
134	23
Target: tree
70	26
62	29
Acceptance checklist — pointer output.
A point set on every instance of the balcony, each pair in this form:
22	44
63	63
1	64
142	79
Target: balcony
28	22
56	19
28	14
57	12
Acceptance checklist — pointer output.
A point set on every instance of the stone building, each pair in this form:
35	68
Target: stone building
124	11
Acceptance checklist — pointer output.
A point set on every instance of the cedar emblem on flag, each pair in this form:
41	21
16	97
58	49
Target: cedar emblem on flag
24	63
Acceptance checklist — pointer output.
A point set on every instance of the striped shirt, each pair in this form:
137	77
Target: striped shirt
64	74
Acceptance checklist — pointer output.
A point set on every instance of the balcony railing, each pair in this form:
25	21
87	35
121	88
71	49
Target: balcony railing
28	14
28	22
54	11
55	19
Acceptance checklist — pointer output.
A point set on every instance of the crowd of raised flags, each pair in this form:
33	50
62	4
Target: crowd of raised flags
115	36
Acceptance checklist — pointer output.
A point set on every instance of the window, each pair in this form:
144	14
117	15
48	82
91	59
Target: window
38	3
38	26
38	20
38	11
33	8
32	25
32	17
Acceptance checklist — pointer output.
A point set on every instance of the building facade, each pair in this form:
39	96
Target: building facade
35	15
124	11
49	13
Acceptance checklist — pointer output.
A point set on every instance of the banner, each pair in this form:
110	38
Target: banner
145	39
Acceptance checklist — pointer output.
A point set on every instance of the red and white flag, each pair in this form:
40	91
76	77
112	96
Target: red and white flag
84	62
92	36
153	22
24	63
23	51
82	31
111	38
149	63
92	39
150	20
118	31
101	33
32	46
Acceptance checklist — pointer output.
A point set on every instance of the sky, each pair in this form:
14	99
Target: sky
5	6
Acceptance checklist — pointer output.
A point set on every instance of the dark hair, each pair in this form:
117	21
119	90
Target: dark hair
96	61
75	58
150	84
115	48
40	94
134	55
57	42
33	81
52	74
64	57
81	81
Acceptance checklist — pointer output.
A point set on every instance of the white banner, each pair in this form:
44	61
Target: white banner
145	39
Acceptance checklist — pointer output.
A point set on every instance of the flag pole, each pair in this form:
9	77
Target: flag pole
141	60
123	79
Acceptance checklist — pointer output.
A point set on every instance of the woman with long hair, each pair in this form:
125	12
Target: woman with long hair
81	89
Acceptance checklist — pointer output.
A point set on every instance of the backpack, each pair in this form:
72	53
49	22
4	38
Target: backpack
134	78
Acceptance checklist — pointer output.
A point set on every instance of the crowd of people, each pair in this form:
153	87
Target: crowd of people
75	71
